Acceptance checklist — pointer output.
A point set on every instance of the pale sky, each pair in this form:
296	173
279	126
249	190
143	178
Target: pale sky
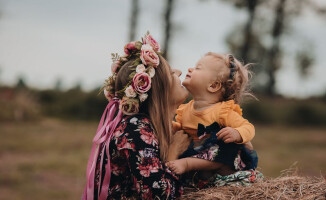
43	40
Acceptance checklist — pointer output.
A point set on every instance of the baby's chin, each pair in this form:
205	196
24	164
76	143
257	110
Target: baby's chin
186	83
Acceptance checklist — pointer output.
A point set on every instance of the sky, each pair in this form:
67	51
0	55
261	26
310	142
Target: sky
44	40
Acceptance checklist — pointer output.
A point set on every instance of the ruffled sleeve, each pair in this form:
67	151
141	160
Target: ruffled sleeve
231	116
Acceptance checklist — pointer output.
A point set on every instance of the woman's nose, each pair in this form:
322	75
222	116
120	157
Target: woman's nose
178	72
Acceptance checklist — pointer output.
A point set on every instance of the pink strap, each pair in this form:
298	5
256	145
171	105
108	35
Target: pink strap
103	136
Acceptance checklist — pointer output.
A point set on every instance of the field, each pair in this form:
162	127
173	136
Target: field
47	159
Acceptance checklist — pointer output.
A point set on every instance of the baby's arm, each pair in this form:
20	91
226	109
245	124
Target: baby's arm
176	126
189	164
238	129
180	143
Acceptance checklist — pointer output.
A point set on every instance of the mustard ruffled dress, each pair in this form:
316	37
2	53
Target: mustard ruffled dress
202	127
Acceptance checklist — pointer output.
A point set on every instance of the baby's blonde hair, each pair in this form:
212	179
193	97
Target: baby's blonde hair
234	87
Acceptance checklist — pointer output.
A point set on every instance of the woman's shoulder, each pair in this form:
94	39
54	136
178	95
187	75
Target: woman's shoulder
136	129
137	119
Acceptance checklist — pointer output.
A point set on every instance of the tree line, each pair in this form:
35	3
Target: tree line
267	21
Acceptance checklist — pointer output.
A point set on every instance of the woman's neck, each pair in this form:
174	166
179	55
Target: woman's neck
173	110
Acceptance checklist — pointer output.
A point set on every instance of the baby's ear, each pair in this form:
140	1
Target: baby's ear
214	87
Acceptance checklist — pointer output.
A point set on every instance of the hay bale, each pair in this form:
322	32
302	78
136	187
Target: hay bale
286	187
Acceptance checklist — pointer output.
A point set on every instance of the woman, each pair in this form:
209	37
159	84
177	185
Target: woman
133	142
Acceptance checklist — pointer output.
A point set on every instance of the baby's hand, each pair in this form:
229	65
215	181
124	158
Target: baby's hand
229	135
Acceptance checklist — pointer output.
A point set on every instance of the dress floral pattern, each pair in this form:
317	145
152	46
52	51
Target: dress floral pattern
137	171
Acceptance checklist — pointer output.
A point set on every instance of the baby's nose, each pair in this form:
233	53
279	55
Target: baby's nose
190	69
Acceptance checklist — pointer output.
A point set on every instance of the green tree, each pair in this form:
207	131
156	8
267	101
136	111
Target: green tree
249	41
133	19
21	84
168	27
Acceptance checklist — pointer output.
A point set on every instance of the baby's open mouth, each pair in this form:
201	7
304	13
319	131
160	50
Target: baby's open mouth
188	76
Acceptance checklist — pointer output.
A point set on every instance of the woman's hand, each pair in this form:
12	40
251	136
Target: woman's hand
180	143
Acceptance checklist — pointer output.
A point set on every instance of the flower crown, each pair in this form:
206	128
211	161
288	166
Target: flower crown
143	70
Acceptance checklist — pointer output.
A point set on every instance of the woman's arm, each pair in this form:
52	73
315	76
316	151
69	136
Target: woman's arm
151	178
180	143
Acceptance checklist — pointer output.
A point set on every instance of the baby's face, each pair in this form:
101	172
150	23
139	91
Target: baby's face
199	78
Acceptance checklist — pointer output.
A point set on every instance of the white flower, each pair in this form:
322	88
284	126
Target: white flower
140	68
130	92
156	185
134	120
151	72
143	97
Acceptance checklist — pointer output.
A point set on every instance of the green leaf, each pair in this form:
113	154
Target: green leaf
132	75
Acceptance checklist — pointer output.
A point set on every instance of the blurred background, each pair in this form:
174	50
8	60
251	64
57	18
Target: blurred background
55	55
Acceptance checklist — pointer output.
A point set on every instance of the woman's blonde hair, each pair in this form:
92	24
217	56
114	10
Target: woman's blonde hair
235	86
158	102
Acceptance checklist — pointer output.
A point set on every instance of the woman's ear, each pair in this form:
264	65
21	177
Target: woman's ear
214	87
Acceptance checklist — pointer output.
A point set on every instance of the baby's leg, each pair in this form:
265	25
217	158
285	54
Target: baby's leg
179	166
248	145
189	164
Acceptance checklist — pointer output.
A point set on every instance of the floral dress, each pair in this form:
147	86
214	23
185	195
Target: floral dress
137	171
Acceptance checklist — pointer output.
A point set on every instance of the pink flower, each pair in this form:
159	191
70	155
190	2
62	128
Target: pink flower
148	137
117	133
148	56
132	47
120	128
148	165
141	82
150	40
146	193
129	106
114	67
123	143
130	92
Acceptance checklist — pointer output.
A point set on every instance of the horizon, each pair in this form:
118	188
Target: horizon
44	41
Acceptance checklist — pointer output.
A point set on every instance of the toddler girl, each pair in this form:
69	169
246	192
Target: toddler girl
213	119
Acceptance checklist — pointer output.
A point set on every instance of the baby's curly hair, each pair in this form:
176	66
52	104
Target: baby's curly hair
235	78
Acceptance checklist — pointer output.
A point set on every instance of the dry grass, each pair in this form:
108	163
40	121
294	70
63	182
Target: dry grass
286	187
278	147
44	160
47	160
